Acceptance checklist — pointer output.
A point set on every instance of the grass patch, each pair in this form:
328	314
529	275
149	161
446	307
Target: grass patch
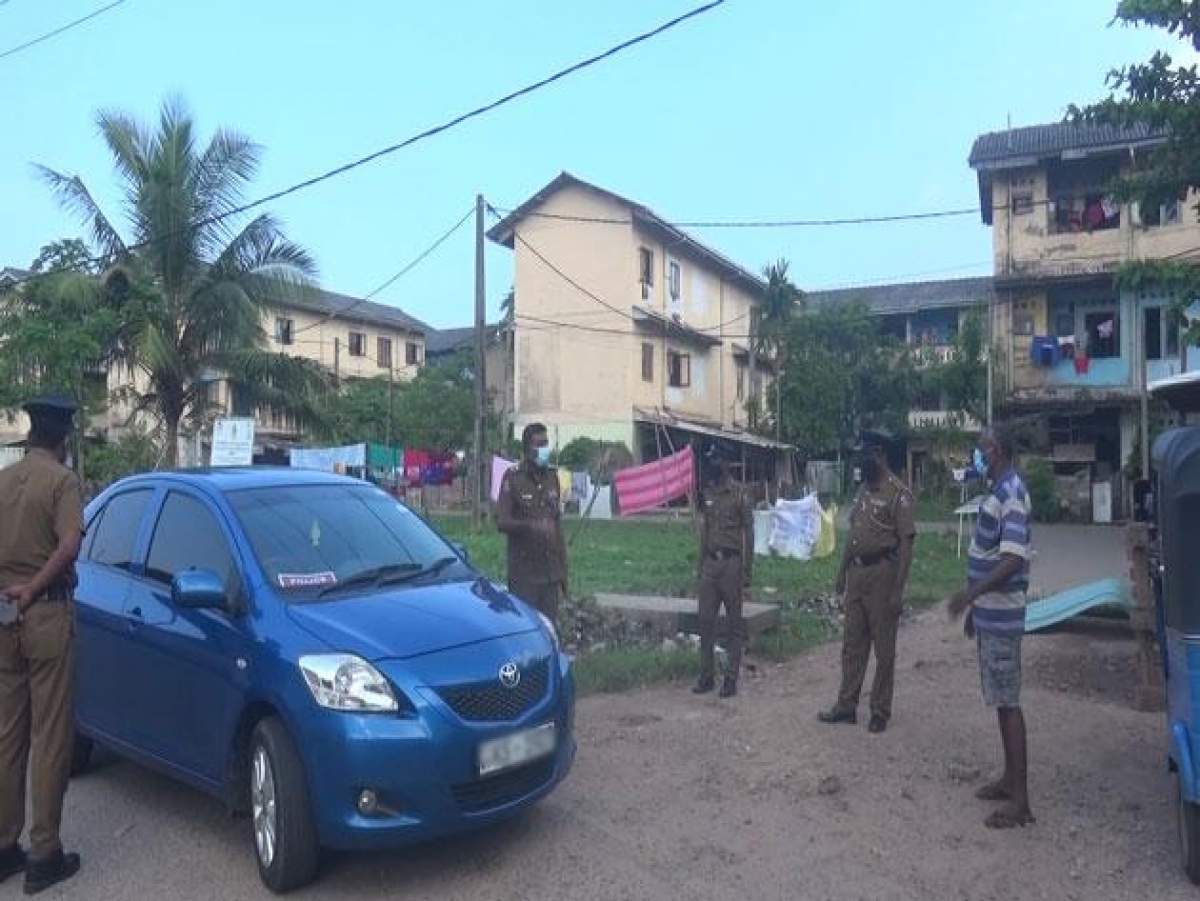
660	557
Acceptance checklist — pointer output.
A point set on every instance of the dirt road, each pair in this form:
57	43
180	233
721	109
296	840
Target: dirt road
751	799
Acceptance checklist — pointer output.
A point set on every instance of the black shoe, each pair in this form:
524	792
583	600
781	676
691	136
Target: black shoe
877	724
41	874
728	688
838	716
12	861
703	687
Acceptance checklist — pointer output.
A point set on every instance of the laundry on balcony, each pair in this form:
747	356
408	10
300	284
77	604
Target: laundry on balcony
1044	351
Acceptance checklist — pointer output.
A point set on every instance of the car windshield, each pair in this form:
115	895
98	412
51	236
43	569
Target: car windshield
314	541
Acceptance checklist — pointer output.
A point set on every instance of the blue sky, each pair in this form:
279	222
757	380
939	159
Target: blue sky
761	109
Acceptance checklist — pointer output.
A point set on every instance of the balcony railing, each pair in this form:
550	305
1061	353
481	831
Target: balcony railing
942	419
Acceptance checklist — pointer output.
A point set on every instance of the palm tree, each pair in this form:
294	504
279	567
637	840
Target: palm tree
781	302
195	288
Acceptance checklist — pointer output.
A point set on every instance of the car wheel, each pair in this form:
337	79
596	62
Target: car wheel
1188	819
81	755
285	838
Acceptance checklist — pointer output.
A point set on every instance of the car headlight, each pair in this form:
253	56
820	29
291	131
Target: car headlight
347	682
549	624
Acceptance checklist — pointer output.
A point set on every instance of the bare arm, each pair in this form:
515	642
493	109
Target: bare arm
1009	567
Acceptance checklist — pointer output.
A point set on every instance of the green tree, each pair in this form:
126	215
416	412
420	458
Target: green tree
598	458
194	286
840	373
1161	94
960	381
782	300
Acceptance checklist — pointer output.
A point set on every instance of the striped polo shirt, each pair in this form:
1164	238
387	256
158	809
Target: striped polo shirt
1003	526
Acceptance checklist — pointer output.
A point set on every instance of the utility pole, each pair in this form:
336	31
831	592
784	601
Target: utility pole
480	370
337	359
752	375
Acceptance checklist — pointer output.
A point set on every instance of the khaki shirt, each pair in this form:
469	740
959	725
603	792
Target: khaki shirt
536	554
41	501
728	522
880	519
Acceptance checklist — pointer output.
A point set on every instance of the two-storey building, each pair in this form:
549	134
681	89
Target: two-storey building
625	328
1072	350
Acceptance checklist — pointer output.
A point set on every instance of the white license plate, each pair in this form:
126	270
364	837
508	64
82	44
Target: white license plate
499	754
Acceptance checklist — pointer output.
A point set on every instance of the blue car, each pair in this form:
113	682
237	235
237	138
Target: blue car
310	651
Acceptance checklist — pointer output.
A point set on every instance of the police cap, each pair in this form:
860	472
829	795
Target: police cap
53	407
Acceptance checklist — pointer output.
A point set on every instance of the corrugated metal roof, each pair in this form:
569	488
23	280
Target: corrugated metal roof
1036	142
354	309
908	297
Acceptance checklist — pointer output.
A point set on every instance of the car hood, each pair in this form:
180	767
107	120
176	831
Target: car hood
407	622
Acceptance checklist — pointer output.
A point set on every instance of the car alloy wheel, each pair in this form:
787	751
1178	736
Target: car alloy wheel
262	801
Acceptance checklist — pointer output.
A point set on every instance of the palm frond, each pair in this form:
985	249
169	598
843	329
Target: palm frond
74	197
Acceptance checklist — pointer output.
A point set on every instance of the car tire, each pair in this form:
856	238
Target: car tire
81	755
285	837
1188	820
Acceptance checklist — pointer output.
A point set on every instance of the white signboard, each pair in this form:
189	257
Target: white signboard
232	442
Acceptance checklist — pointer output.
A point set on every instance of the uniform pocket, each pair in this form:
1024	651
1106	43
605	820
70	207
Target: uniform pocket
47	630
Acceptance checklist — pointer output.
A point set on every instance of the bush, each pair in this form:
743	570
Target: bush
1039	479
599	459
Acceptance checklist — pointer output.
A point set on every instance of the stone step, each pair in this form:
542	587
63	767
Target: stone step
667	616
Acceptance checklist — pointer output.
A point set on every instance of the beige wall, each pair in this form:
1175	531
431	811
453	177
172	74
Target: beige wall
578	364
327	341
1024	243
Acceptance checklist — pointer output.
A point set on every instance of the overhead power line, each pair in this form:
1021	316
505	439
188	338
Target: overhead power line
393	279
756	223
429	132
50	34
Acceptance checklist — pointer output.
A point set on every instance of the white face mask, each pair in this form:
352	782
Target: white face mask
543	456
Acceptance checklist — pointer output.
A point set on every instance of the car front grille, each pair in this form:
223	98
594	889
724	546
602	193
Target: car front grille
492	702
496	791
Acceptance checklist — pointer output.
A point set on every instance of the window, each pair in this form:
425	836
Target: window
412	353
1168	213
1022	202
647	362
383	352
1172	320
283	329
1103	334
679	369
675	281
115	530
1152	332
358	344
741	382
646	270
187	536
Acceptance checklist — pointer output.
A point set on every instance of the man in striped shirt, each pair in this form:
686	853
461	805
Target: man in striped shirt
994	600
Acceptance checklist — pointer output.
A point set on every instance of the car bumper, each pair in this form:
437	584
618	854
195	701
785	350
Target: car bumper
423	770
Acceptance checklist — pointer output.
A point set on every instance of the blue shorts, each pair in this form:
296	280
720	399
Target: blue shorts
1000	668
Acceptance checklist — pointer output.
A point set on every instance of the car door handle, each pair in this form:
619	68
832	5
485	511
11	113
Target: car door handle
134	620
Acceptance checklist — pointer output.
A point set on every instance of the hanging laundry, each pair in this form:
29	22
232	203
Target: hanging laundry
499	467
641	488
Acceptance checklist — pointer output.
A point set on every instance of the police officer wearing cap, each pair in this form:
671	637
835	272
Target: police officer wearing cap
41	527
872	577
726	558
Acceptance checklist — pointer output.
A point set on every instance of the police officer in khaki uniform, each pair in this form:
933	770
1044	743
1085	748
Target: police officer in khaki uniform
41	527
529	512
872	577
726	560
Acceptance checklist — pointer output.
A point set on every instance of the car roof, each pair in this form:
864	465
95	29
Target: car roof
235	478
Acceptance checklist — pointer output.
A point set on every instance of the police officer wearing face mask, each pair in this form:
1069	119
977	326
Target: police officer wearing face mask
726	561
529	513
872	577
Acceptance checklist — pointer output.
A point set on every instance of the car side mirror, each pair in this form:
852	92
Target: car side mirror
461	550
199	589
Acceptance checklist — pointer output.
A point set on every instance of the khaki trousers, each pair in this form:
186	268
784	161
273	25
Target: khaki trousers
870	622
37	727
721	583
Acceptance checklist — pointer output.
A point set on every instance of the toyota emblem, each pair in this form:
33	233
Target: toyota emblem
510	675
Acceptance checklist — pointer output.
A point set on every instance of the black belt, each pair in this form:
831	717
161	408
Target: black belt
723	554
872	559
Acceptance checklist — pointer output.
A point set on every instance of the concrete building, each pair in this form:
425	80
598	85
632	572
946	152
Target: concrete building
352	337
1073	351
445	344
625	328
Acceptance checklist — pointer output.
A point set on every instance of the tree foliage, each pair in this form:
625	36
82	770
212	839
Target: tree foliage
1161	94
959	382
194	287
434	411
782	301
600	459
840	373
